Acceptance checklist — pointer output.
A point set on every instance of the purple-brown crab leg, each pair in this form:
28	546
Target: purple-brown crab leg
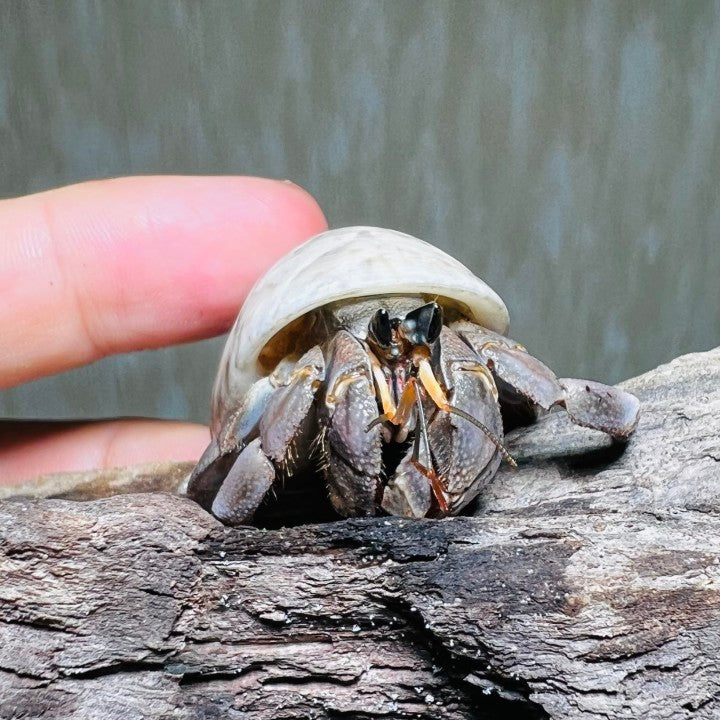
588	403
234	484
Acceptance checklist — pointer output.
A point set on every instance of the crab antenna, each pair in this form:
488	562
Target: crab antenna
437	486
491	435
422	434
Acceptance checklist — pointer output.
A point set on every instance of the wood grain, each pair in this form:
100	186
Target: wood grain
586	586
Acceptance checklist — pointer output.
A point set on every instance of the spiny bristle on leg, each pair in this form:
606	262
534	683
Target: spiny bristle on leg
319	450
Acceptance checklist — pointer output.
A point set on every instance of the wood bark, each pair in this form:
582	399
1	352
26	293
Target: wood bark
586	585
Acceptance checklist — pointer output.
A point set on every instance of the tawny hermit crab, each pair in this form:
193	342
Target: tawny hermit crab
382	359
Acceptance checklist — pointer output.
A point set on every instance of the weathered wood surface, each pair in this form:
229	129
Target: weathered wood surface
587	586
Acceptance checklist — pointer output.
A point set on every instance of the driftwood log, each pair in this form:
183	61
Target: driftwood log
587	585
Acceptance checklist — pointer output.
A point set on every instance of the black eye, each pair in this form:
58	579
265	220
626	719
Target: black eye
380	329
423	325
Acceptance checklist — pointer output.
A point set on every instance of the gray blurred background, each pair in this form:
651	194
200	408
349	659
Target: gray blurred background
569	152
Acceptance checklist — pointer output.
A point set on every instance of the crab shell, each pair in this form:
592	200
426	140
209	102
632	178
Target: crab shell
343	264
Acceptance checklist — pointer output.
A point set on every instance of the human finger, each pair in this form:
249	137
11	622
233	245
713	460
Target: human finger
131	263
32	448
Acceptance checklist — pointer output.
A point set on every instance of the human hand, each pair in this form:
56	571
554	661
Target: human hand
118	265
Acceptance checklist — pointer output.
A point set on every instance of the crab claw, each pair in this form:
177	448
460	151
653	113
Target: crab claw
588	403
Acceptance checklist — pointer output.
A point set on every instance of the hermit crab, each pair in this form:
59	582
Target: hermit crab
383	361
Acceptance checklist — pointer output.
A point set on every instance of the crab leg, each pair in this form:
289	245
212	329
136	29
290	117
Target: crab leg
286	421
588	403
233	484
601	407
245	486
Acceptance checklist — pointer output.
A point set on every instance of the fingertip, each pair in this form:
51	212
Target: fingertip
304	211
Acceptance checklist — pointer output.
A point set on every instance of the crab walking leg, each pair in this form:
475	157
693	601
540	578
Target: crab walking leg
209	474
588	403
283	422
221	453
287	421
599	406
230	433
245	486
354	452
513	364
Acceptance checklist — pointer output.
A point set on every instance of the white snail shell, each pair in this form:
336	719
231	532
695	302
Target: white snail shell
342	264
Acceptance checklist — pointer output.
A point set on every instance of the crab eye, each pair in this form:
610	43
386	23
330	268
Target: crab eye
422	326
380	328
